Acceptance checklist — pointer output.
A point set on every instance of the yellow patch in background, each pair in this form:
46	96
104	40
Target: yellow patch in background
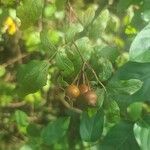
10	26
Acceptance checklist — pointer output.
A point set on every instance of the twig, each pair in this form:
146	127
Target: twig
12	61
16	105
67	105
86	78
94	73
42	16
77	76
33	119
79	52
71	8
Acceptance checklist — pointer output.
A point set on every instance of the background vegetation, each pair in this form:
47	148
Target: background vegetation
48	45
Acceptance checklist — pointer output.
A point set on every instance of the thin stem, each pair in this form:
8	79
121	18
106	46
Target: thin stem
94	73
83	78
79	52
16	104
67	105
83	75
96	77
86	77
80	71
77	76
42	24
12	61
71	8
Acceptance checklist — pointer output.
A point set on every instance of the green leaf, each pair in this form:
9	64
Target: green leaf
91	128
49	10
140	47
132	70
26	147
71	31
60	4
64	64
99	25
120	137
87	16
33	130
130	86
102	66
110	53
2	71
135	111
101	96
32	76
146	5
146	15
29	12
142	136
21	118
7	2
75	58
54	131
145	120
124	4
122	59
32	40
106	69
112	112
47	43
85	47
146	10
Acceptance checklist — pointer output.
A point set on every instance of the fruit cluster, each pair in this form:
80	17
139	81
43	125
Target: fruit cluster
89	96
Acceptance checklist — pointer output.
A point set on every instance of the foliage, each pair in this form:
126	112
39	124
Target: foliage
47	45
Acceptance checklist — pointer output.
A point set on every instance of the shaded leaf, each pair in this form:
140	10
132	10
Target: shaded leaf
87	16
135	110
99	25
71	31
112	112
102	66
64	64
46	42
33	130
29	12
120	137
32	76
132	70
55	130
91	127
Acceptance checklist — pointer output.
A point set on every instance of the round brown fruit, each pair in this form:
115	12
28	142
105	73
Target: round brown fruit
83	88
72	91
91	98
